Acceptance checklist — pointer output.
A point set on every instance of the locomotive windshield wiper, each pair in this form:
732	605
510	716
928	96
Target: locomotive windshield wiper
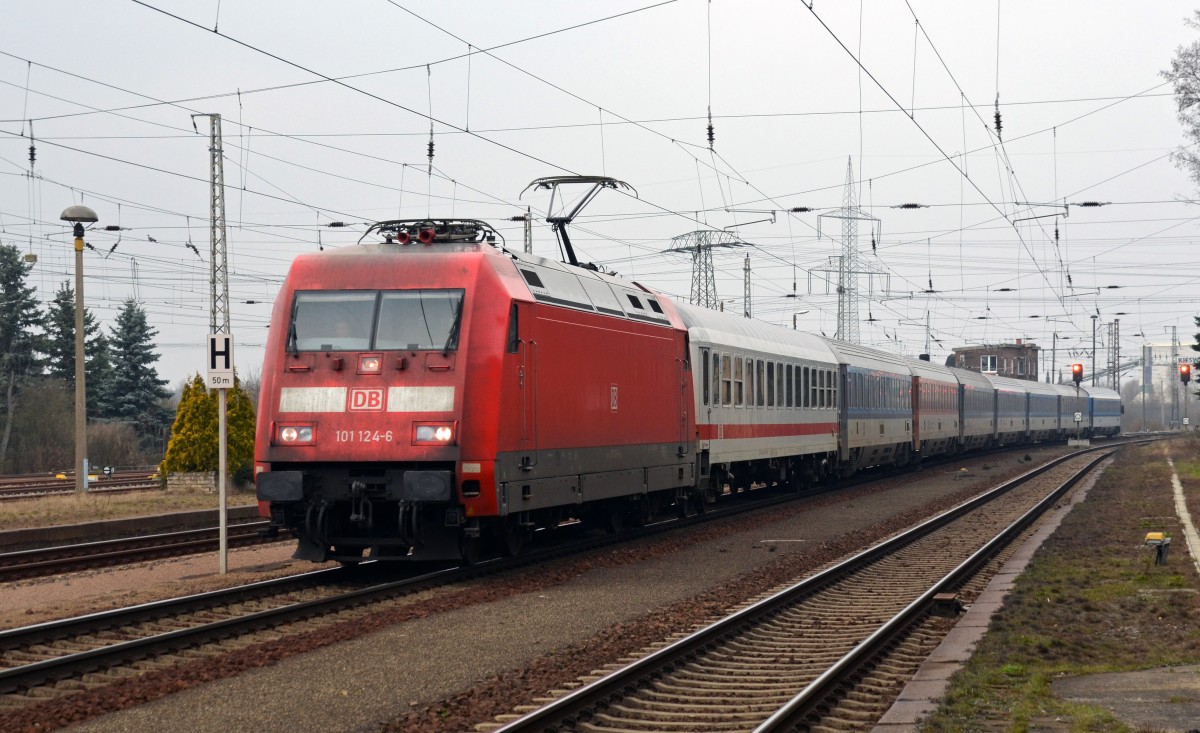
290	346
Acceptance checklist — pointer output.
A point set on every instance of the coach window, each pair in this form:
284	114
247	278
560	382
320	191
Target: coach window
759	387
770	384
716	378
738	382
749	382
779	385
821	389
833	391
726	381
704	373
788	401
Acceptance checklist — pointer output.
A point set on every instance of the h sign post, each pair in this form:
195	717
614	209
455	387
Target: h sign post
220	378
220	361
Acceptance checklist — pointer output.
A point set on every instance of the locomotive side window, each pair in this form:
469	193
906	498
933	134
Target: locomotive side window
514	333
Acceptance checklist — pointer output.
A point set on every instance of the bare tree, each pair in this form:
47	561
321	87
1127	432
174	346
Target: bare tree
1184	74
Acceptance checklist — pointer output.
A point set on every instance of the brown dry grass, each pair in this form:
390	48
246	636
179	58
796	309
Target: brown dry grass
1091	601
70	509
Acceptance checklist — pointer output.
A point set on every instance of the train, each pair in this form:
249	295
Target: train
430	394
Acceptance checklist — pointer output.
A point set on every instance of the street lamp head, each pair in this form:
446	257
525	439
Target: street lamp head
79	215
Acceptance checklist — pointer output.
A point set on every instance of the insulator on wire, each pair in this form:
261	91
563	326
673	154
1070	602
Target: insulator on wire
999	126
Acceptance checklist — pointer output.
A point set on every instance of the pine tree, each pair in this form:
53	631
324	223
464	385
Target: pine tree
136	390
99	375
20	342
60	350
193	445
194	436
241	429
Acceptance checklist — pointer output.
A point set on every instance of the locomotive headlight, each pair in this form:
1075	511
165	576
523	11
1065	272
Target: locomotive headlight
370	364
433	434
295	434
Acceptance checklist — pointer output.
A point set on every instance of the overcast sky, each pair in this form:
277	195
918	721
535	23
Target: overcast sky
327	107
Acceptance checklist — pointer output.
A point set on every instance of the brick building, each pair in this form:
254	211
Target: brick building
1017	360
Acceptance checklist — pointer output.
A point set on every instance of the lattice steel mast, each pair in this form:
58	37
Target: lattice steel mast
701	244
848	267
218	253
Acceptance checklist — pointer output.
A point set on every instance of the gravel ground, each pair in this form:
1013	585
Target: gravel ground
470	655
26	602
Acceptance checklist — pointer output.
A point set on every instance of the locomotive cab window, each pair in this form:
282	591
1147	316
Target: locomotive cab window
369	320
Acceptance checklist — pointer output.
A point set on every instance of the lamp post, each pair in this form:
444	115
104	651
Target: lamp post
79	215
1094	350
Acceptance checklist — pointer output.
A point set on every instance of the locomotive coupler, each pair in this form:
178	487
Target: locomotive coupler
361	508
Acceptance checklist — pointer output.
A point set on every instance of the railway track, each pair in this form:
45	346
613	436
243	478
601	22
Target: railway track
828	653
16	488
41	663
81	556
62	657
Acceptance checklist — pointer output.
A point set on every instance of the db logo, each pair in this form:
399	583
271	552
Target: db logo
366	399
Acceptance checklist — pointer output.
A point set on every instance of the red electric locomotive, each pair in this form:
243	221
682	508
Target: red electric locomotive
432	393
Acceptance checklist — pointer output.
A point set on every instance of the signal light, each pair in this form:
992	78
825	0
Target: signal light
1077	373
1185	373
425	236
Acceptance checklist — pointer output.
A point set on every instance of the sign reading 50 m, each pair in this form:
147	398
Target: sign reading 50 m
220	361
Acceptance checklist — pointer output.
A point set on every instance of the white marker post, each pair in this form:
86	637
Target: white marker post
220	378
